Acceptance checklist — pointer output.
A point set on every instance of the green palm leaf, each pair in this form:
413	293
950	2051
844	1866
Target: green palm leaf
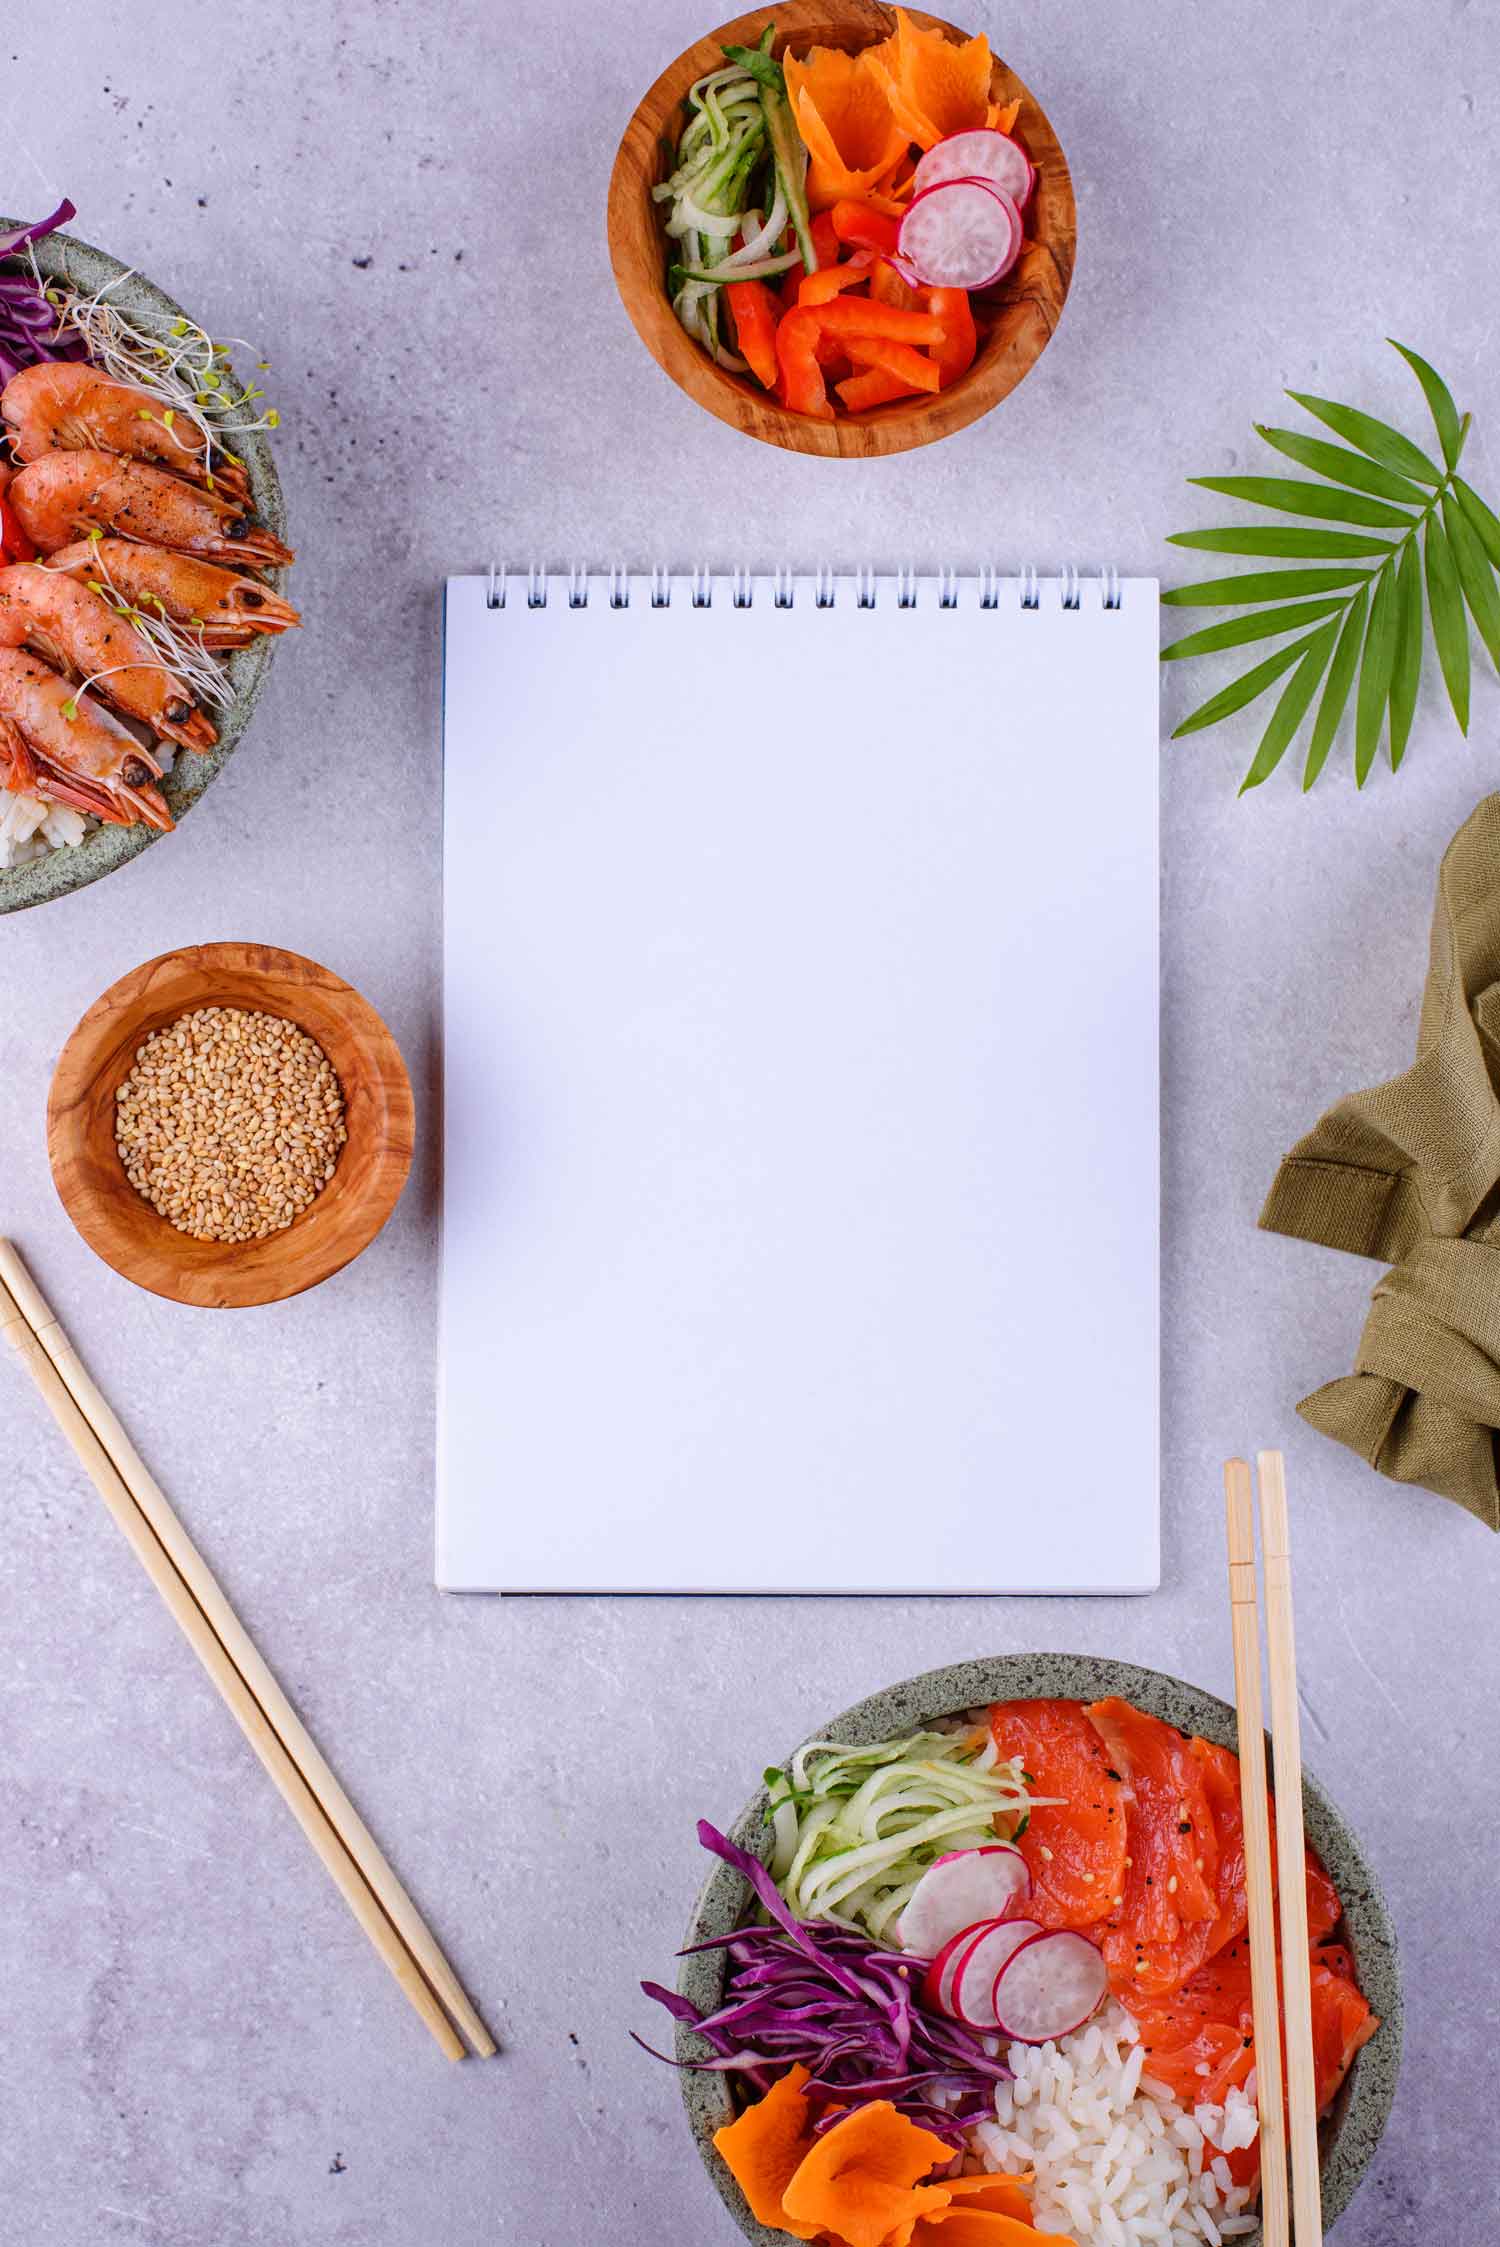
1486	524
1336	693
1367	435
1450	627
1263	625
1291	708
1290	496
1343	466
1353	603
1294	544
1259	585
1474	575
1375	675
1406	670
1439	400
1243	690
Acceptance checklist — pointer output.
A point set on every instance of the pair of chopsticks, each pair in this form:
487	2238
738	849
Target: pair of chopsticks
373	1893
1293	2006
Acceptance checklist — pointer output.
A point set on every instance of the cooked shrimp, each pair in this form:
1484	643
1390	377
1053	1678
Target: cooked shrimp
60	408
87	759
77	631
65	494
225	609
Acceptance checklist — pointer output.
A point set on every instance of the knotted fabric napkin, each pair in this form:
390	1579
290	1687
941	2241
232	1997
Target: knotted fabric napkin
1410	1172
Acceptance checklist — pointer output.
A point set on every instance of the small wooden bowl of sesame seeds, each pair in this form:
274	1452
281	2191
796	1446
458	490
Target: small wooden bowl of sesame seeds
229	1125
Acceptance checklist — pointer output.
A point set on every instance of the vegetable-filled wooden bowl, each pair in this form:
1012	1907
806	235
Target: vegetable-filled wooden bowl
31	874
1012	320
94	1087
1133	1765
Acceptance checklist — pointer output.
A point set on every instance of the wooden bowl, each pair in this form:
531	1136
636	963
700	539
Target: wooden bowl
125	1230
1015	319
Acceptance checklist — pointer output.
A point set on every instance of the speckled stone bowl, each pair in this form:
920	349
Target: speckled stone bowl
1352	2130
61	257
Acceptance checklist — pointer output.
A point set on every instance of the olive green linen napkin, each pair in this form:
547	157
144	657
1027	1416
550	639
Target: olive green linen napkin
1410	1172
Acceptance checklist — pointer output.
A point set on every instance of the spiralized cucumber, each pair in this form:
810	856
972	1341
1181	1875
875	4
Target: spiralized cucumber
854	1829
738	139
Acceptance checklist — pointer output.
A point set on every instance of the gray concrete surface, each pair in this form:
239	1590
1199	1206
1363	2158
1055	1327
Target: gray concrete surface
401	205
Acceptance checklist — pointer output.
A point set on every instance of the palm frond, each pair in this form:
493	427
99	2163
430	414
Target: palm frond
1420	544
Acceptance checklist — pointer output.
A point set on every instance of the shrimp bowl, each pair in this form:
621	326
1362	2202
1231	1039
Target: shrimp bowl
973	1964
142	562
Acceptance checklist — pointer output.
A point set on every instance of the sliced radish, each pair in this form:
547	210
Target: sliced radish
962	235
1049	1987
979	1969
979	154
937	1983
960	1890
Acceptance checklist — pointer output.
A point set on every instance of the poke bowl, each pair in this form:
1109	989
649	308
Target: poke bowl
864	139
219	660
996	2104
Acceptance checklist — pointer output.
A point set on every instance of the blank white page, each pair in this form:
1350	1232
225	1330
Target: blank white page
801	1197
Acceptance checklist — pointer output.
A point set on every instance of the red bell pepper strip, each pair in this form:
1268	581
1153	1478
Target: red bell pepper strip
862	228
955	353
826	245
802	387
874	387
916	370
848	316
755	312
831	280
887	287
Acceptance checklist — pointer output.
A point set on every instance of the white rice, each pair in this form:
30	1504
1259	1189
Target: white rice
29	828
1118	2161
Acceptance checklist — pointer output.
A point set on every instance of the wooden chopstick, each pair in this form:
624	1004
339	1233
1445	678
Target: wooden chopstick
197	1604
1259	1883
1286	1745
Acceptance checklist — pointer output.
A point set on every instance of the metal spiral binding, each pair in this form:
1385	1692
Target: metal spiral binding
825	583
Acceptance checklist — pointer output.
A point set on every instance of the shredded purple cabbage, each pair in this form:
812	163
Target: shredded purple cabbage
851	2013
28	323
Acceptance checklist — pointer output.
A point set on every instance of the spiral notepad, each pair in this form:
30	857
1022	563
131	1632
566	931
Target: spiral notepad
800	1063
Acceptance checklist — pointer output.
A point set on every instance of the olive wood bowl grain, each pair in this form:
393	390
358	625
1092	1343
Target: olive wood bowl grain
125	1230
62	257
1015	319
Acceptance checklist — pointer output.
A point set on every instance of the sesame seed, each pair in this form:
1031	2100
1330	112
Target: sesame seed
230	1123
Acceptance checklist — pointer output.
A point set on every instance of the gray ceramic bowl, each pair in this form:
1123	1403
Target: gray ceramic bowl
1351	2132
61	257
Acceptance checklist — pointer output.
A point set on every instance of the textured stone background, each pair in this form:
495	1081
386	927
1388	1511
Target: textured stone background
401	205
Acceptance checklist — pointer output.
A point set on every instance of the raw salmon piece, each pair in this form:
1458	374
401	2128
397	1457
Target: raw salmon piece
1159	1933
1324	1910
1076	1853
1221	1784
1201	2041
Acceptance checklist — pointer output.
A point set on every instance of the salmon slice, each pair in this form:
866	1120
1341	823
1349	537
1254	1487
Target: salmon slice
1159	1932
1221	1785
1076	1852
1200	2042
